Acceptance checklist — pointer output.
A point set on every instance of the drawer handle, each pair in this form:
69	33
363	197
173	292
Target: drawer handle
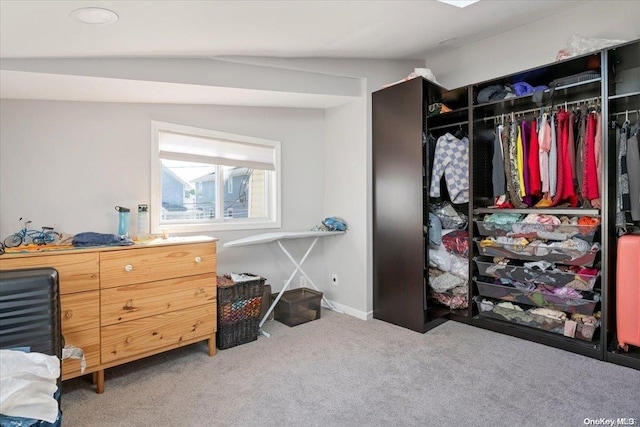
128	340
201	290
68	314
198	260
128	267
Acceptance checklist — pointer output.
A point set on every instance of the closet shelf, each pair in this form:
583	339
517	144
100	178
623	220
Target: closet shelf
594	82
452	118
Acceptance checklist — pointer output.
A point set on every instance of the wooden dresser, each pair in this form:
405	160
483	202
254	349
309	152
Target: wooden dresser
119	304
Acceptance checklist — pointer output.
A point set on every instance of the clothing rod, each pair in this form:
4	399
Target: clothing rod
546	107
626	112
466	122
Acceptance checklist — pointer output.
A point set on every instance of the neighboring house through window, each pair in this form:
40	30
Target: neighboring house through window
204	180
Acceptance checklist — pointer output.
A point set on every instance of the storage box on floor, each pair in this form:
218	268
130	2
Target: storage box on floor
239	303
298	306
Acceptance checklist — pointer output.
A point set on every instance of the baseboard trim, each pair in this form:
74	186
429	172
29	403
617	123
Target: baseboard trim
351	311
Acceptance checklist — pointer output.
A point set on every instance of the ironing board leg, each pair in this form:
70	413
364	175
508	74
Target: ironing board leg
288	282
299	268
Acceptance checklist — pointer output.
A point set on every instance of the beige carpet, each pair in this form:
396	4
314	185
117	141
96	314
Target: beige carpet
341	371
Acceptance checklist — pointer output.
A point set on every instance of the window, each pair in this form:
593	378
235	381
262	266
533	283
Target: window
203	180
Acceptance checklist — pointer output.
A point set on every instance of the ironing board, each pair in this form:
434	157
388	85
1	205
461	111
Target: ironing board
278	237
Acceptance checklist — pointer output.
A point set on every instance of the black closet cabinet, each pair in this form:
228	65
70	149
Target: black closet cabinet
623	104
400	202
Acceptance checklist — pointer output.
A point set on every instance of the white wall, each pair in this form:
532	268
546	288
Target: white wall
348	184
69	163
327	156
536	43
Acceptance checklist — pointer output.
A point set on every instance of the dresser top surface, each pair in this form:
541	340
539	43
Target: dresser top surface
26	251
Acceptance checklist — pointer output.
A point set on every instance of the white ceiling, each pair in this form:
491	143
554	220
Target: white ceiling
206	29
340	29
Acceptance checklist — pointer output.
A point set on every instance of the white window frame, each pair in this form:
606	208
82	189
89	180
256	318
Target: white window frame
217	224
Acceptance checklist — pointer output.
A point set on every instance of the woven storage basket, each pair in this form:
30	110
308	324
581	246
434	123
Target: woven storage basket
230	291
239	306
233	334
239	310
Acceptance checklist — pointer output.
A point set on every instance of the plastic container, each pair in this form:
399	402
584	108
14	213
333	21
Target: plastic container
298	306
123	220
143	222
535	298
541	252
521	273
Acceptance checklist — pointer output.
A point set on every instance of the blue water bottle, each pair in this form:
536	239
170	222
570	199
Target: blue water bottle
123	221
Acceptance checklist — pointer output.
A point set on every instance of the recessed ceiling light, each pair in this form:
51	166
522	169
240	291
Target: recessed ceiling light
94	15
459	3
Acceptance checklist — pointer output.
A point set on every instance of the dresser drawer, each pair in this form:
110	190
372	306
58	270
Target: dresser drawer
128	267
80	311
131	302
149	334
76	272
89	341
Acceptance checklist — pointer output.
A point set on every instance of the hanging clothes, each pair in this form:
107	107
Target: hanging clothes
516	198
582	126
451	159
544	138
598	149
497	162
564	191
520	161
533	162
621	221
571	147
511	192
431	148
524	136
633	170
589	173
553	159
623	179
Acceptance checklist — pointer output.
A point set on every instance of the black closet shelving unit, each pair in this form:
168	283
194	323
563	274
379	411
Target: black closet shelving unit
486	117
401	199
401	205
623	98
